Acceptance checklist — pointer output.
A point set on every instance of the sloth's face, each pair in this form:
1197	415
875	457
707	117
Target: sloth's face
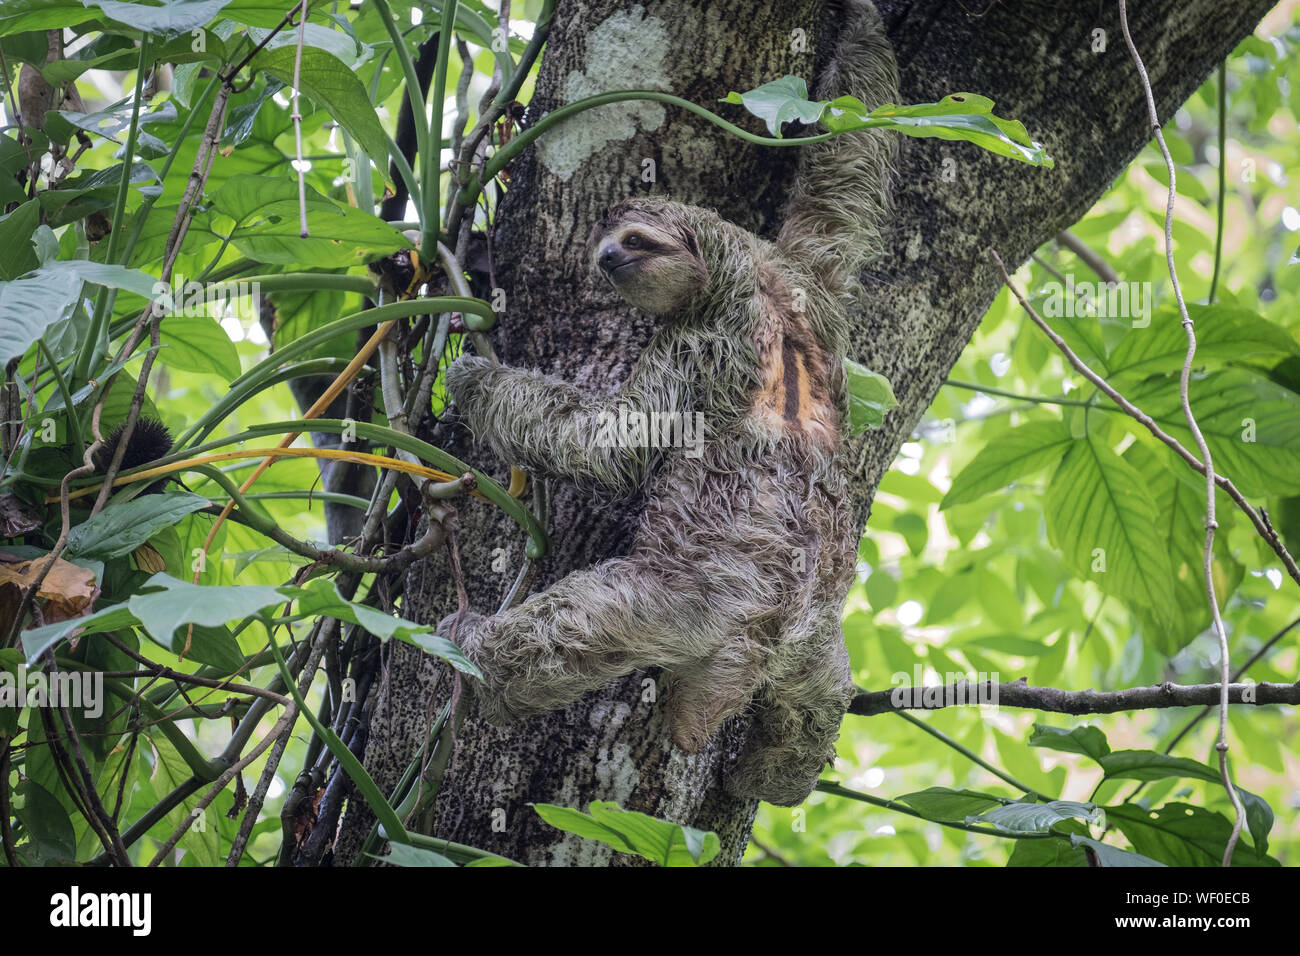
649	255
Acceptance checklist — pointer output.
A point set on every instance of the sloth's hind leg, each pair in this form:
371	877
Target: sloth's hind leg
796	720
589	628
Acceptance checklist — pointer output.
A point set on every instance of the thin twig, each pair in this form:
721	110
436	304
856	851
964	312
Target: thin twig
1086	254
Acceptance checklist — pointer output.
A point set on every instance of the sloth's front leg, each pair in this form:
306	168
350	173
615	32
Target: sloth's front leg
605	622
548	426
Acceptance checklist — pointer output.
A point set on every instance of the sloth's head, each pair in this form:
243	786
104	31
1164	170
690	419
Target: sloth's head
647	250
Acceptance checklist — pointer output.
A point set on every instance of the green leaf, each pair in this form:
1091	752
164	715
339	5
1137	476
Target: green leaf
1149	765
31	304
332	86
17	256
870	397
944	805
117	52
243	196
1014	455
400	854
198	343
1039	853
914	529
37	640
958	116
161	612
1031	817
122	527
30	48
321	596
338	237
1107	855
1089	741
1252	426
47	823
216	646
19	15
1179	834
882	588
781	101
347	49
168	17
668	844
1180	506
1101	517
1223	334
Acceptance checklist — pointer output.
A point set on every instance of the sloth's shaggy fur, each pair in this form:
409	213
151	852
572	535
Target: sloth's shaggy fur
744	553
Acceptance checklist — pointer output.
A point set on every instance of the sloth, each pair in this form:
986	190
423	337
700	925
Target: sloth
744	553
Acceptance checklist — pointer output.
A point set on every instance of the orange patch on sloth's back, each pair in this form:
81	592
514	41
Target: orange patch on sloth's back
794	396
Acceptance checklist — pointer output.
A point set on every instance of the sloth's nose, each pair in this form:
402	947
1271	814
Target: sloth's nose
612	256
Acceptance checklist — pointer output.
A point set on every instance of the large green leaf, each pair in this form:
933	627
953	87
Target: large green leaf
116	52
1252	426
331	85
19	15
48	826
16	253
243	196
123	526
177	603
28	306
1223	334
1016	454
321	596
338	237
668	844
1149	765
1180	509
345	48
1101	517
166	17
1179	834
37	640
198	343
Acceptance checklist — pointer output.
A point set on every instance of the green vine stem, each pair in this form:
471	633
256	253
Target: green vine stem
431	160
502	157
97	336
476	311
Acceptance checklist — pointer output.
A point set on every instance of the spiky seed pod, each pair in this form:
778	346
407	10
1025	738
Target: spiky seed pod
150	440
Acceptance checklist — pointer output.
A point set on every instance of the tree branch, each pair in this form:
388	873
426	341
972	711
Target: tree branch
1057	701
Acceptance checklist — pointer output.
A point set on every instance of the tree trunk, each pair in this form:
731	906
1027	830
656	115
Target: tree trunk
924	299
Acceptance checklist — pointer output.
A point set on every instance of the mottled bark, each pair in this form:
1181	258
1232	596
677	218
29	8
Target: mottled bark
924	300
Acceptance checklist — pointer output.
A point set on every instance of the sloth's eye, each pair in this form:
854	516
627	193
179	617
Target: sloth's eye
633	241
